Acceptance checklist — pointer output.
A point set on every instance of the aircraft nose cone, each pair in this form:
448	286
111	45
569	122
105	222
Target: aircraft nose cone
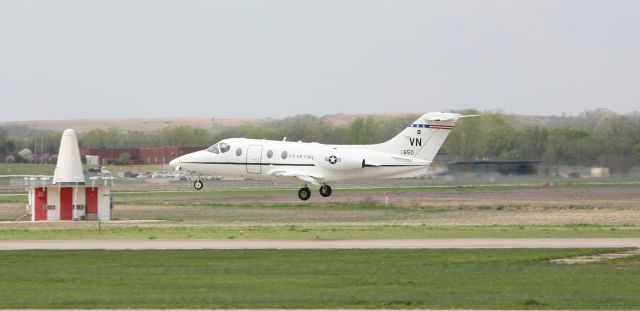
175	163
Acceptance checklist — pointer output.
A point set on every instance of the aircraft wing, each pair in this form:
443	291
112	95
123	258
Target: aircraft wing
304	176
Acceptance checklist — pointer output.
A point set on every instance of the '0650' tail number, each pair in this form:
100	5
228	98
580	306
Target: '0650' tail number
408	152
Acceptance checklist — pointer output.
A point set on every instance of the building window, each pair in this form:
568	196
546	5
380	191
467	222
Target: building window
284	155
269	154
239	151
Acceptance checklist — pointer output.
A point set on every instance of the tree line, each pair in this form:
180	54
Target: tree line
594	138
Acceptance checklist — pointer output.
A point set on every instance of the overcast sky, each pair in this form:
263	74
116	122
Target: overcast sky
231	59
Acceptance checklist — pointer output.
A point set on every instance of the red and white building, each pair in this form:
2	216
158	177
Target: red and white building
68	196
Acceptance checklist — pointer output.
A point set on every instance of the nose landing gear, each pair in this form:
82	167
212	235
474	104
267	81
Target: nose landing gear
198	184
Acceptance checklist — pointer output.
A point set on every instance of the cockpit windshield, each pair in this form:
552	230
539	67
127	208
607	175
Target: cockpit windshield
220	147
214	149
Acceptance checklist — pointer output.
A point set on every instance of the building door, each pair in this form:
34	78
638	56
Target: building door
66	203
40	204
254	159
91	197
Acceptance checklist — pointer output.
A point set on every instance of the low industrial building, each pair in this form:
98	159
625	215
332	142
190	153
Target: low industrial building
161	155
71	202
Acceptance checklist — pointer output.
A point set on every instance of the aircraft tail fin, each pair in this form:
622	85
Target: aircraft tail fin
423	138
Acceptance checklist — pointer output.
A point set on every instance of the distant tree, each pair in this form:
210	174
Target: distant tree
390	126
301	127
618	140
102	139
568	146
11	146
499	138
597	137
184	136
464	142
139	139
123	159
364	131
337	135
533	142
25	155
487	137
45	145
3	142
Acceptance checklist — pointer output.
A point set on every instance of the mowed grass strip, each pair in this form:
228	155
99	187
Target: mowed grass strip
192	196
163	196
118	232
442	279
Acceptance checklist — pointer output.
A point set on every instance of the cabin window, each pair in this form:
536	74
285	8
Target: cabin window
269	154
239	151
284	155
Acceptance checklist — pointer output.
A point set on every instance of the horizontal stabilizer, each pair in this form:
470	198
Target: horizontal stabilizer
413	161
440	116
402	158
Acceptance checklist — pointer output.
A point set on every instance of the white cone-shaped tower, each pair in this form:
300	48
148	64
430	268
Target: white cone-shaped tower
69	167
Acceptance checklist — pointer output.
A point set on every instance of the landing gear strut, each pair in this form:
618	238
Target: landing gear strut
304	193
198	184
325	190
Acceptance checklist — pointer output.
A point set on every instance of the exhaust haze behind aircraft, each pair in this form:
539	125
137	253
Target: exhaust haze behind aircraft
408	154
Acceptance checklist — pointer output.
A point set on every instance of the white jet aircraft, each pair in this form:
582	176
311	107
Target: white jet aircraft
408	154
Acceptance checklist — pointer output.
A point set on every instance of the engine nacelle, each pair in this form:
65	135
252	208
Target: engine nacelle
339	160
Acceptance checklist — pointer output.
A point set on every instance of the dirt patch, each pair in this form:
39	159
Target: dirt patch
596	258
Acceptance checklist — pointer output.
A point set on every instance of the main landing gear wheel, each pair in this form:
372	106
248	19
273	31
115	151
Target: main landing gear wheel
304	194
325	190
198	184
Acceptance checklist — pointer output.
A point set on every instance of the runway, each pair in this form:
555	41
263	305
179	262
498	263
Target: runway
318	244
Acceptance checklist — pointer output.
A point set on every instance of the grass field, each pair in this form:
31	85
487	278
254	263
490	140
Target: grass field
26	169
445	211
475	279
169	197
174	197
47	169
117	232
